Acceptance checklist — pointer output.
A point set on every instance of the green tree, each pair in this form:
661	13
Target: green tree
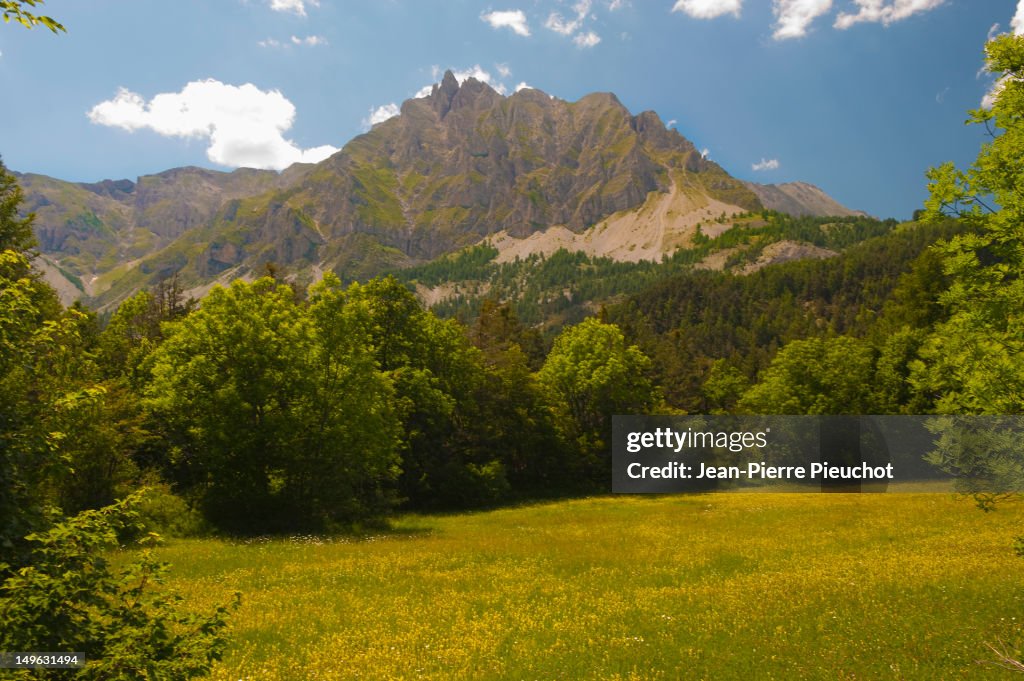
816	376
971	364
15	9
497	329
135	329
15	230
278	415
28	450
590	375
57	589
349	454
474	428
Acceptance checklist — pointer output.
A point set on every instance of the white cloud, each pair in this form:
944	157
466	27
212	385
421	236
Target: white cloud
793	17
615	5
381	114
513	19
765	164
244	125
503	70
989	100
588	39
884	11
708	9
557	23
993	31
671	123
523	86
311	40
705	152
294	6
1017	23
478	73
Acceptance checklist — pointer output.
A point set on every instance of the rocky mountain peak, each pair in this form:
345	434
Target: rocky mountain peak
442	93
449	95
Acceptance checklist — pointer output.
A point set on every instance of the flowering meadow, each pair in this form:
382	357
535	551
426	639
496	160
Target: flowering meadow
827	586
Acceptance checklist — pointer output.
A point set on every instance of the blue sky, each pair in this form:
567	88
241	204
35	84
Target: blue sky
857	96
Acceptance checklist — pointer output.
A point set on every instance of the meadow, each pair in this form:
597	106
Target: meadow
718	586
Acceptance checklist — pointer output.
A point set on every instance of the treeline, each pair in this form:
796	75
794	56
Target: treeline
566	287
711	335
264	409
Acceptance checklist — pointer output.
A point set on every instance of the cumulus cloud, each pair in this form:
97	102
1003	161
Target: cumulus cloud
559	24
705	152
765	164
294	6
523	86
244	125
884	11
588	39
794	17
708	9
513	19
1017	23
381	114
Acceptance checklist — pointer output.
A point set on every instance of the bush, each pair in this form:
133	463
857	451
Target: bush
166	513
69	597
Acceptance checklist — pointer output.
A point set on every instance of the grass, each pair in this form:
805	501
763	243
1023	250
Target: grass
748	586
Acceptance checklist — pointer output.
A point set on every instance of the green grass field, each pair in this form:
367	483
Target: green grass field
751	586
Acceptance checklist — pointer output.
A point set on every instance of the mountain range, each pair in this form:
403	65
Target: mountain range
528	172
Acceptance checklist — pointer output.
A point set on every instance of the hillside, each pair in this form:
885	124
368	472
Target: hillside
799	198
462	164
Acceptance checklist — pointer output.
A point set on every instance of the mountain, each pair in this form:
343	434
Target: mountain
458	166
799	198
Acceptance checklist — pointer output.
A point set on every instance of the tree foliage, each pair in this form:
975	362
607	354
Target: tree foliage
816	376
15	9
278	414
971	363
71	596
591	374
61	443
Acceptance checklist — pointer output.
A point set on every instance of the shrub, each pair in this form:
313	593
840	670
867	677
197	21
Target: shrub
72	597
